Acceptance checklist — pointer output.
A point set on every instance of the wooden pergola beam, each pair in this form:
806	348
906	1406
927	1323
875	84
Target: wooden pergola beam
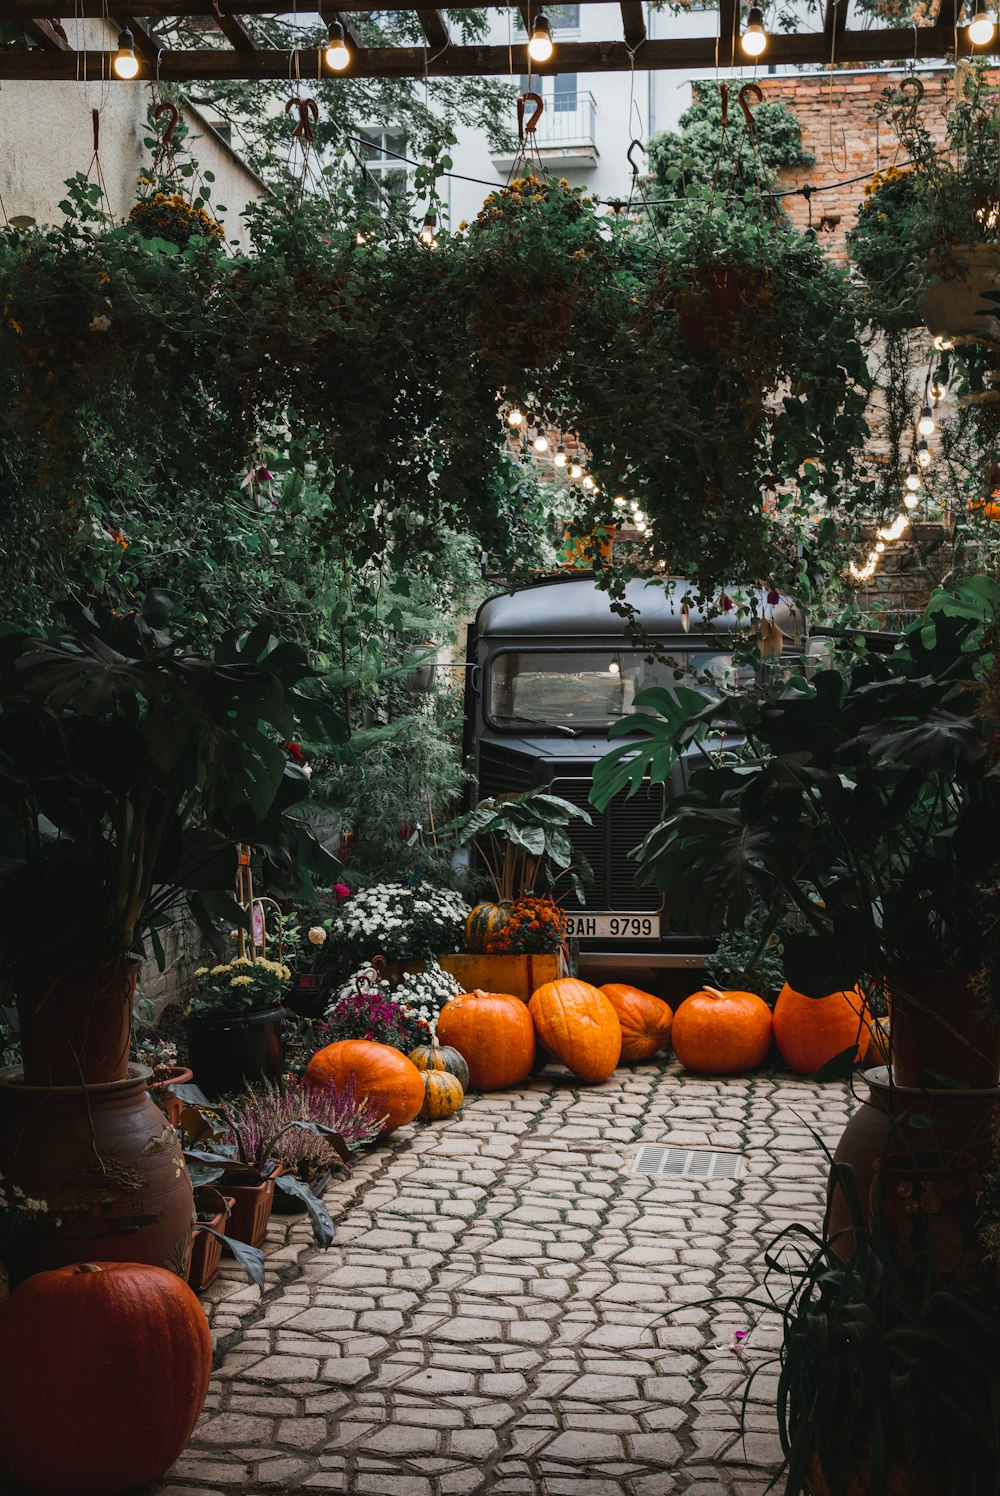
835	23
235	32
328	16
729	30
181	66
946	17
435	28
45	34
146	41
633	22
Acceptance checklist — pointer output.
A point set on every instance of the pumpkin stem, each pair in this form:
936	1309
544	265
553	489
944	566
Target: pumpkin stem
713	991
88	1267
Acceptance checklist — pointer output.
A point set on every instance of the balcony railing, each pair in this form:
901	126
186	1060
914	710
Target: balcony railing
569	119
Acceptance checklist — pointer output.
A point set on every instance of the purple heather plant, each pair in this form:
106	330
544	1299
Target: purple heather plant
372	1015
263	1125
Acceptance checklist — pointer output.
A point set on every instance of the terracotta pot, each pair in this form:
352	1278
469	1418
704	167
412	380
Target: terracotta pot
899	1480
76	1026
927	1206
227	1053
108	1165
251	1209
900	1121
954	305
938	1036
170	1105
709	307
206	1250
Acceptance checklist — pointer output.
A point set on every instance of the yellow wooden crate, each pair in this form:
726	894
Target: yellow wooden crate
519	975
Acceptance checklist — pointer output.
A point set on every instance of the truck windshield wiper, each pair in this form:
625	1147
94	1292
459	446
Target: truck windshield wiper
549	726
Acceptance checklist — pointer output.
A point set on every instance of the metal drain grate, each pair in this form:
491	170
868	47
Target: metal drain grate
688	1163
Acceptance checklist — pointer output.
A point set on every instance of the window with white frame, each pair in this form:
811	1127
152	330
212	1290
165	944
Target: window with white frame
380	149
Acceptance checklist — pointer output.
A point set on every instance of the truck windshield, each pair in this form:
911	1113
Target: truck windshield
592	687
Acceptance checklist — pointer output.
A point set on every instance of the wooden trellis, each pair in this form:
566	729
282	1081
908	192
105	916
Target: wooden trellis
48	53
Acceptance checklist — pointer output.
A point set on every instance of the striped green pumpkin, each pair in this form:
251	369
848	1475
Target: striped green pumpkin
483	922
439	1057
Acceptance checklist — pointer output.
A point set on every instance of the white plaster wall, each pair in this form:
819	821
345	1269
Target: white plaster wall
47	135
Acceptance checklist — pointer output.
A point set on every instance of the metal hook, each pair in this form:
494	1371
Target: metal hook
175	114
635	168
743	96
306	107
529	128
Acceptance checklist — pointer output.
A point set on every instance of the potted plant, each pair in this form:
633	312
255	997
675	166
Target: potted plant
402	922
131	766
234	1023
161	1057
233	1143
865	800
307	956
367	1007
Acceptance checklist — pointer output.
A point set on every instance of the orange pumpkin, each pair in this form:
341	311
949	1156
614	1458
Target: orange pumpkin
119	1354
645	1020
380	1071
494	1033
722	1033
443	1095
811	1031
580	1026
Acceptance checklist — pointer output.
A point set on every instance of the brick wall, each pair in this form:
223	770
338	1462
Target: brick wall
839	127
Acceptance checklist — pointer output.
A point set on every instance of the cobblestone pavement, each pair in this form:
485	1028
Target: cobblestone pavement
504	1307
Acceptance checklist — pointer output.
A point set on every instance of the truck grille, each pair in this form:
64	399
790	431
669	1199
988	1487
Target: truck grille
606	844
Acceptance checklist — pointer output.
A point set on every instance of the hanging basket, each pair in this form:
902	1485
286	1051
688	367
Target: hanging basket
709	304
518	329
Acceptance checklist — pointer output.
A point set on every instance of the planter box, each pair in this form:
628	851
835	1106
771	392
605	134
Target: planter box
251	1210
519	975
206	1251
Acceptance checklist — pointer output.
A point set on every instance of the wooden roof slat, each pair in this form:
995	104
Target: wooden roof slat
729	31
45	34
835	22
633	22
946	17
328	15
146	40
435	27
877	45
235	32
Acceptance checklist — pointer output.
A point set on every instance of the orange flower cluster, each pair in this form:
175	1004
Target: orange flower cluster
170	216
534	927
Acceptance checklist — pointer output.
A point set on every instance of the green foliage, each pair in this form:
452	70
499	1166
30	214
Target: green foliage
749	959
868	801
736	162
522	838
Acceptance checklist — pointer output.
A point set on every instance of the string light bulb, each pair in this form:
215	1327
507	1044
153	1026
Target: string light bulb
753	42
911	500
337	54
125	62
912	479
620	501
540	43
428	231
638	516
925	424
560	457
943	343
895	530
938	390
515	417
575	470
980	29
880	546
614	668
588	482
541	442
923	454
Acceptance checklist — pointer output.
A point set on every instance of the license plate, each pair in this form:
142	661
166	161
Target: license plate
614	926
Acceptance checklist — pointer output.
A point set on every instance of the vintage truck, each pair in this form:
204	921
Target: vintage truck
550	667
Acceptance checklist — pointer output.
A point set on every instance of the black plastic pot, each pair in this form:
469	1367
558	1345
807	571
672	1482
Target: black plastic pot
228	1053
308	998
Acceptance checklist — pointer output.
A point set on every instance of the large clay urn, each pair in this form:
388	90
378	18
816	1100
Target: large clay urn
108	1167
940	1037
76	1026
897	1128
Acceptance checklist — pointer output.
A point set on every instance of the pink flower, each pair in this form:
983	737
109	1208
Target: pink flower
341	892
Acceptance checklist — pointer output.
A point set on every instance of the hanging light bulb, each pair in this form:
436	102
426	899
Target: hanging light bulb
925	425
338	53
541	442
641	526
912	479
923	454
428	231
911	500
754	39
125	62
560	457
638	516
895	530
980	29
588	482
880	546
943	343
938	390
540	43
515	417
620	501
575	470
614	668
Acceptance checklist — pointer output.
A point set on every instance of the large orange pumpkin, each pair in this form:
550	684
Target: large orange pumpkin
493	1032
645	1020
811	1031
722	1033
108	1365
381	1072
577	1022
